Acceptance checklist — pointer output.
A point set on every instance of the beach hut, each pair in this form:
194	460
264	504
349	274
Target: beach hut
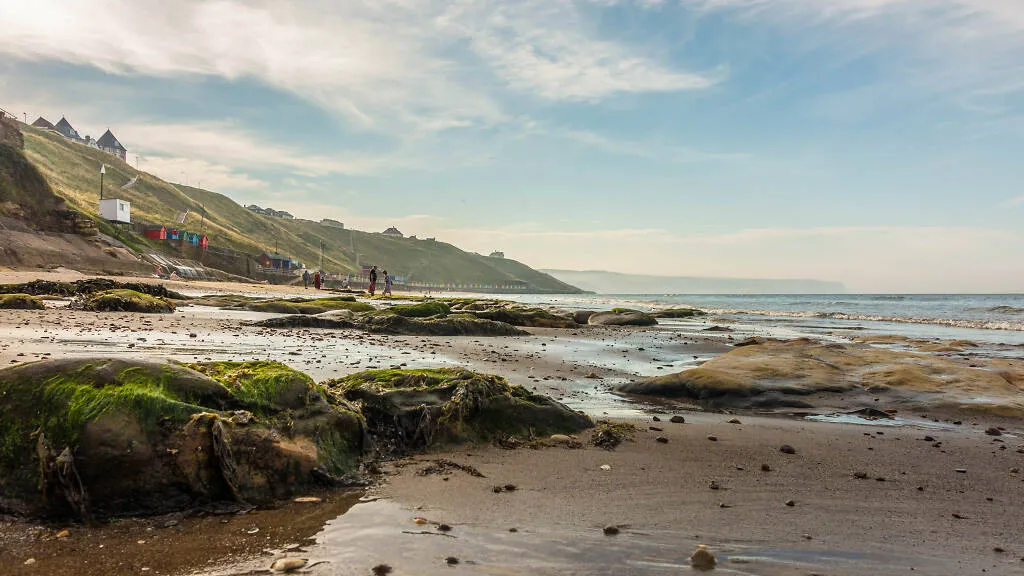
275	260
173	234
192	238
156	232
204	242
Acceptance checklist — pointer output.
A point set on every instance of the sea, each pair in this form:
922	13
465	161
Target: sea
996	319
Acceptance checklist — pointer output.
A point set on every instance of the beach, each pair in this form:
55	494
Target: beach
931	488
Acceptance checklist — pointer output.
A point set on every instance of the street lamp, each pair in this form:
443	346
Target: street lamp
103	170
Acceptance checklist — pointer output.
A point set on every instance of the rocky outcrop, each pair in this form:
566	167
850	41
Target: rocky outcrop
88	286
622	317
409	410
679	313
126	301
95	438
453	325
20	302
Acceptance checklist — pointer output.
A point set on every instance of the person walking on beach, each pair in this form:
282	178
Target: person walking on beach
305	279
373	280
387	284
316	280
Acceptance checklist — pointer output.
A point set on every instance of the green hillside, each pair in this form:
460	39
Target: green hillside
73	172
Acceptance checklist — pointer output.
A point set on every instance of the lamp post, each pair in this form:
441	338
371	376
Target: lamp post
103	170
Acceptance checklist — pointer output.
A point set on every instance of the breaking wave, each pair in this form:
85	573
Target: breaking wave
951	322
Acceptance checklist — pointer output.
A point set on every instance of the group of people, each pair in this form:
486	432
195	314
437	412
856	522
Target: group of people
373	282
318	279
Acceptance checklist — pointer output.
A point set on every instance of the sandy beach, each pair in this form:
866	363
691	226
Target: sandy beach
875	497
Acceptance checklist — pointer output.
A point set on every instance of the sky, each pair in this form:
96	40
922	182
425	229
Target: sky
879	143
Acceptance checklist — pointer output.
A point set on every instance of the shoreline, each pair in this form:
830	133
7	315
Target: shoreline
659	494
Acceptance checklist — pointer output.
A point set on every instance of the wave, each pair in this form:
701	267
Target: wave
1005	310
951	322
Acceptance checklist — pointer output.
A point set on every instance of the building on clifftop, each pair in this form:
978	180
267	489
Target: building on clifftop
394	232
109	143
67	130
43	123
497	254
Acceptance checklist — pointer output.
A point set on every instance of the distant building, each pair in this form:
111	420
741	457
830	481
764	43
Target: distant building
116	210
269	212
198	240
108	143
332	223
67	130
497	254
43	123
156	232
277	261
394	232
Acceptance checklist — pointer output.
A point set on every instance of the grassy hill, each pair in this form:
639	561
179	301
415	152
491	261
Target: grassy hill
72	170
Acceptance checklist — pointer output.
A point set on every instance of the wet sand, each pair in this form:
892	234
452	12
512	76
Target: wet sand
659	494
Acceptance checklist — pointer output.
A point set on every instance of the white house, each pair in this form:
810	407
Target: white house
116	210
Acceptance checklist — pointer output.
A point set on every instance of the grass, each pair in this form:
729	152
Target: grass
72	170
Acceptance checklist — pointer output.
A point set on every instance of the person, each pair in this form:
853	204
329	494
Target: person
387	284
305	279
373	280
316	280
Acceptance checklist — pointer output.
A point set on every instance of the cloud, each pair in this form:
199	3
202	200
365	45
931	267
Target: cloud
670	153
1014	202
200	173
380	64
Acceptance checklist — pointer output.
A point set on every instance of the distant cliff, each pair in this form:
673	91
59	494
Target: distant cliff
617	283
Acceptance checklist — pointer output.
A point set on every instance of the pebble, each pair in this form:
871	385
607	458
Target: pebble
677	420
703	559
661	439
63	534
860	475
655	429
561	439
308	499
496	489
30	561
714	485
734	421
766	468
656	419
510	487
993	431
287	564
605	467
790	503
444	528
712	437
960	470
451	560
419	520
787	449
611	530
381	570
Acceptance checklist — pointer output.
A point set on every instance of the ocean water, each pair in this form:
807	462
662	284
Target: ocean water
991	318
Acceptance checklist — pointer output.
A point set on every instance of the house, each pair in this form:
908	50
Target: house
497	254
66	130
276	261
108	143
394	232
43	123
156	232
198	240
332	223
116	210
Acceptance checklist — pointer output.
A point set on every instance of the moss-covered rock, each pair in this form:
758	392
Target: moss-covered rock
304	306
127	301
103	437
533	317
622	317
421	310
408	410
679	313
452	325
20	302
87	286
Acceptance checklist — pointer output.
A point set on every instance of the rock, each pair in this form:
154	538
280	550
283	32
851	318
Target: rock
993	431
510	487
712	437
960	470
287	564
655	429
679	313
582	316
87	286
713	485
656	419
127	301
766	468
718	329
734	421
178	421
409	410
381	570
611	530
561	439
703	559
421	310
661	440
497	489
452	325
62	534
860	475
451	560
444	528
605	467
308	500
871	414
20	302
790	503
752	341
787	449
29	562
523	316
677	420
622	317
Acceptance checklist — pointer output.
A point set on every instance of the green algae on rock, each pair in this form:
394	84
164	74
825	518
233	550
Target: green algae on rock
127	301
304	306
452	325
106	437
20	302
679	313
87	286
421	310
409	410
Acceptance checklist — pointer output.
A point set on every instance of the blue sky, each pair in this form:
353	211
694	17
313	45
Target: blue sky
874	142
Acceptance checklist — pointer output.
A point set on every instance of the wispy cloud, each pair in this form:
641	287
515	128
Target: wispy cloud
1014	202
380	64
